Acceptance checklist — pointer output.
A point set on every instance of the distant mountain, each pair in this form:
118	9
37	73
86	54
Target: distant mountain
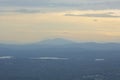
56	41
61	43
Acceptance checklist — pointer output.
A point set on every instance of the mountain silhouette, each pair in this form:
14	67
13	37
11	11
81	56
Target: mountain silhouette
56	41
62	43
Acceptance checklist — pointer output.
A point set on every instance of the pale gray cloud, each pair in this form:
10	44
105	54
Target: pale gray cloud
27	11
49	58
71	4
20	11
6	57
107	15
5	11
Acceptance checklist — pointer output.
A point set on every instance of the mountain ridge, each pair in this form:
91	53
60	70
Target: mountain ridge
61	43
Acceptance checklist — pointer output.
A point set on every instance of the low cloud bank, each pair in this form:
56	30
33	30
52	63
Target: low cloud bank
49	58
6	57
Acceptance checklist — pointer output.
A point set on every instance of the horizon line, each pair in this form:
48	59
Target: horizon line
65	39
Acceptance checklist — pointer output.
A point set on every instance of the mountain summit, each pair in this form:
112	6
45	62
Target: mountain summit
56	41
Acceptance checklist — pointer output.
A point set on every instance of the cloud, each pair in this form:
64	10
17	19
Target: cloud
21	10
99	59
95	14
27	11
79	4
49	58
6	57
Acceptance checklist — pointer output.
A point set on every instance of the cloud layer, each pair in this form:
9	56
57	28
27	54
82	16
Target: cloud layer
49	58
101	15
79	4
6	57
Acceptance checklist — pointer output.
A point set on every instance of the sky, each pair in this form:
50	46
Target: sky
27	21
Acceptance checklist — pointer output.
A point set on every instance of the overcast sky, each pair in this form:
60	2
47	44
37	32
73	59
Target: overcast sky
80	4
26	21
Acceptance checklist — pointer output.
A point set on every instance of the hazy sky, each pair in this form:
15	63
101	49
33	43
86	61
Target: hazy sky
24	21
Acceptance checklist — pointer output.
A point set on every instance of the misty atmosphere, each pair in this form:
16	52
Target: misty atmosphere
59	39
